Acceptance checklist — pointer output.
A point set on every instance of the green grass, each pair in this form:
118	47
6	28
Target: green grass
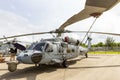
104	52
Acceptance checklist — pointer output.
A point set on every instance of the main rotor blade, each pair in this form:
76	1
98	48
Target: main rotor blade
115	34
92	8
66	31
25	35
29	34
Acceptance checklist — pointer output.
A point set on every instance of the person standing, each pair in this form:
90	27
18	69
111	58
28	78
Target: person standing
12	54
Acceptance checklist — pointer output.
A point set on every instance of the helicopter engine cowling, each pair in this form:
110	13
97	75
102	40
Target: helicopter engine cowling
71	40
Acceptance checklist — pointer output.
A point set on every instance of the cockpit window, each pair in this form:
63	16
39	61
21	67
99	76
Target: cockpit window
38	46
31	46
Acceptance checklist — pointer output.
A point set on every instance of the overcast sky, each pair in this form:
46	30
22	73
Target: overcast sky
27	16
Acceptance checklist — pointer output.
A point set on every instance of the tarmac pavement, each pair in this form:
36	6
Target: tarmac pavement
96	67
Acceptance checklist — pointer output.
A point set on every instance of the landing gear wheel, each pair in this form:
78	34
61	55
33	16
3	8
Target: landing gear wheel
86	55
64	64
39	65
36	65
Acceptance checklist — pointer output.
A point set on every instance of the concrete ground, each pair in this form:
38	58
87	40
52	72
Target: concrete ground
96	67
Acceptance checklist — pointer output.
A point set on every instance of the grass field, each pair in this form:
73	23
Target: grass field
104	52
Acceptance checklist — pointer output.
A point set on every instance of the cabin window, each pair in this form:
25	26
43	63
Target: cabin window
48	48
65	45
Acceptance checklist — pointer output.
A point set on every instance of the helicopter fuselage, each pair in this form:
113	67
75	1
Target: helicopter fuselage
47	52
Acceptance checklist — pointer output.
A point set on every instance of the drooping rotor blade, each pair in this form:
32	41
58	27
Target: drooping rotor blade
65	31
29	34
115	34
92	8
26	35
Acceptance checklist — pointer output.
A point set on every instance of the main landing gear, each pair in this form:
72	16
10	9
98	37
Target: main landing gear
64	63
86	55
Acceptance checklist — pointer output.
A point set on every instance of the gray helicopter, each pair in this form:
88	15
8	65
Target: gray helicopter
49	51
59	50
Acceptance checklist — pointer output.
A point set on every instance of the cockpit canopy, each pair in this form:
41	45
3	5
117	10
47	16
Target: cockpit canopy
41	46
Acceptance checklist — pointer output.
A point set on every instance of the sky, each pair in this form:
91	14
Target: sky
28	16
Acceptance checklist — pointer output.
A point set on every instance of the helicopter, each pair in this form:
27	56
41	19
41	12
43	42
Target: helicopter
59	50
49	52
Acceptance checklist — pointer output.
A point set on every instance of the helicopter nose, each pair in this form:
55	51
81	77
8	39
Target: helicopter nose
19	58
36	57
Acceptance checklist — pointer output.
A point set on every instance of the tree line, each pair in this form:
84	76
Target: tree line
109	42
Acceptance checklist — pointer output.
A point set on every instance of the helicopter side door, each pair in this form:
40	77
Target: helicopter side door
58	50
71	51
